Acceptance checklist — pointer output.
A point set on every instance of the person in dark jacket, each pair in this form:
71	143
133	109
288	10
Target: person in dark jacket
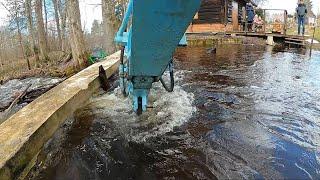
301	15
250	15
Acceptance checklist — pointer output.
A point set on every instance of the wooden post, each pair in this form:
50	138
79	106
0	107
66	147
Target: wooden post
270	41
244	14
225	16
103	79
314	31
235	17
264	20
285	22
226	11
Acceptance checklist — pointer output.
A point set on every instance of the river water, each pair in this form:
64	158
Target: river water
246	112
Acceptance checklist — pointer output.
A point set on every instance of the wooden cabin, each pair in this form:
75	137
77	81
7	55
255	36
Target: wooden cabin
219	16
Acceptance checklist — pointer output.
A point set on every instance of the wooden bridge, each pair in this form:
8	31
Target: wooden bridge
290	40
271	37
273	27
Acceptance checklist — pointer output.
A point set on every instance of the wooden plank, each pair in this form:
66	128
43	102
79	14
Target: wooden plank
294	39
204	21
295	43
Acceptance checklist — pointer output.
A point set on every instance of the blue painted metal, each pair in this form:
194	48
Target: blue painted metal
183	41
156	28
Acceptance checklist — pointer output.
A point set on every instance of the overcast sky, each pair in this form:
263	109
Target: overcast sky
90	11
289	5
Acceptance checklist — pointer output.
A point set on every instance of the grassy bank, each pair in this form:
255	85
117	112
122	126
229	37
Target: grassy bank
17	68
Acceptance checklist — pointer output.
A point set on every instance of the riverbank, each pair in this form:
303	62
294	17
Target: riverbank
57	66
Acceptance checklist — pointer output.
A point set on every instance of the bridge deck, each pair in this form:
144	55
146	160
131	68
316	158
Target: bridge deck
287	39
259	34
253	34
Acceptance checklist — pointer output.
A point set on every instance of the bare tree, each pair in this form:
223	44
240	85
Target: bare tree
41	31
109	24
28	12
79	52
63	18
14	11
56	13
45	20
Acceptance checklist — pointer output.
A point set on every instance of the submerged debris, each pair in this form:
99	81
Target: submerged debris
13	88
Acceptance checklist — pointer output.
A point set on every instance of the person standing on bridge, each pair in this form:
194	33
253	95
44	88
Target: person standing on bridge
250	15
301	14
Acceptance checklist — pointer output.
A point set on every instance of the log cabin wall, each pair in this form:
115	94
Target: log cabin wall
211	11
216	16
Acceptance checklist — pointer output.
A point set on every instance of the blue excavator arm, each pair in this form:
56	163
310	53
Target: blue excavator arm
150	32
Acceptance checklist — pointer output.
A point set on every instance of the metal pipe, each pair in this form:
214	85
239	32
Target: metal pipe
122	74
125	20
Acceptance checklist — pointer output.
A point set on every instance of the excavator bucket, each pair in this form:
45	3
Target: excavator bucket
157	27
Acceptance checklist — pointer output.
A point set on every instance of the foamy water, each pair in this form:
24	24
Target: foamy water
169	110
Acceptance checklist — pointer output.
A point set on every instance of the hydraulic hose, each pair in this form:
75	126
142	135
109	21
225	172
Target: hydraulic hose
169	89
123	73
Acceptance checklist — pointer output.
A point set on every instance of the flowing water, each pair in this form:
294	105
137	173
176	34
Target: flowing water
246	112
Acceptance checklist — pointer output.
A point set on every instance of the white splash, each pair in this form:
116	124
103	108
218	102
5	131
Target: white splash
169	110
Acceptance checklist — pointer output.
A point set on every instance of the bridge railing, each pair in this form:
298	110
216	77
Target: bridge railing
271	21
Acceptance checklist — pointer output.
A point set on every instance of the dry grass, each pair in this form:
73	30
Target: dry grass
17	68
317	34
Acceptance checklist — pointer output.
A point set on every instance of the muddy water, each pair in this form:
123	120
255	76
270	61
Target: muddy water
247	112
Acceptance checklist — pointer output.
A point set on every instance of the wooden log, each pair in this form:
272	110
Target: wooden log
17	99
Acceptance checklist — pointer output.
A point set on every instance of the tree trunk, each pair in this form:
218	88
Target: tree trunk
1	59
31	31
16	19
56	10
41	31
109	25
46	21
79	53
21	44
63	15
